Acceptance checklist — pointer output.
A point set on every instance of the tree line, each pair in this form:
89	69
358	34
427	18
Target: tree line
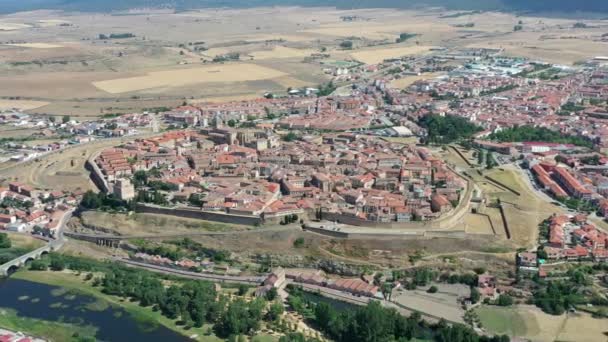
538	134
376	323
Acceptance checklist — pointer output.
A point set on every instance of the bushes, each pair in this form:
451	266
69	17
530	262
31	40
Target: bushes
299	242
505	300
5	242
38	265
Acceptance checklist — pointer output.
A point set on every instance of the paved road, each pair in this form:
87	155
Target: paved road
249	280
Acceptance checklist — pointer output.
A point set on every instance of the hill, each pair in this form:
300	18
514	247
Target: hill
10	6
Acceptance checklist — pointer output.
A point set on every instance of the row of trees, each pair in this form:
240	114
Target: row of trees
103	201
376	323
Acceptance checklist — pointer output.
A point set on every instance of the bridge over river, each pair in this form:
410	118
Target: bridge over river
52	245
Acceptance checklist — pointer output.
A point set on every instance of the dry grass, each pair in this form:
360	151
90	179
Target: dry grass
281	52
37	45
143	224
594	329
24	241
378	55
61	170
21	104
183	77
477	224
524	213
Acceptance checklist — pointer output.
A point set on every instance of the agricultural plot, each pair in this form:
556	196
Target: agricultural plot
378	55
189	76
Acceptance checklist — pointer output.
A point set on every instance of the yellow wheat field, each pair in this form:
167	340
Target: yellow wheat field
182	77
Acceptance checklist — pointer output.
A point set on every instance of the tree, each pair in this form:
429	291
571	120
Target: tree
275	311
242	289
299	242
505	300
5	242
231	123
291	136
447	129
432	289
530	133
57	264
38	265
90	200
65	119
272	294
347	45
52	119
475	295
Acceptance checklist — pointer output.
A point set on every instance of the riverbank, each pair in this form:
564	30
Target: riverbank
145	316
47	330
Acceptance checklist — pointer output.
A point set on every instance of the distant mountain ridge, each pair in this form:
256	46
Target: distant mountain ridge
10	6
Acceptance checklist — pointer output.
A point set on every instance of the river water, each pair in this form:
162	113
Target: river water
41	301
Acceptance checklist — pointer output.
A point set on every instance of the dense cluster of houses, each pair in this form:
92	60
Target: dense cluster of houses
569	238
57	135
253	172
25	209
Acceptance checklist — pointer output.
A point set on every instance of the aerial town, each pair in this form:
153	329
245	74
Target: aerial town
462	191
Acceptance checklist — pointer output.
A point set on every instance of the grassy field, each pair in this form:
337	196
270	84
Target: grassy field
52	331
24	241
531	323
153	224
507	321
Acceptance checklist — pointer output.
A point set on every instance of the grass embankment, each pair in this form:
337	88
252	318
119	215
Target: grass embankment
24	241
53	331
144	315
508	321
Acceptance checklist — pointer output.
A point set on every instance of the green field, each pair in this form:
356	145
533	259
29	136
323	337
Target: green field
510	321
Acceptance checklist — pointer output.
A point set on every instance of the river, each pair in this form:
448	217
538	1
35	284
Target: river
50	303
